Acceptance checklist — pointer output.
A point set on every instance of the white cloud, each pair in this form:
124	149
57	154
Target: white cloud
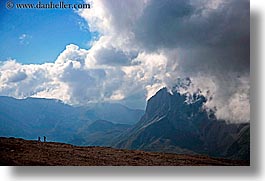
24	39
230	96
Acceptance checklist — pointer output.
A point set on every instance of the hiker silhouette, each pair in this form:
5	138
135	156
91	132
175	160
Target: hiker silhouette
44	138
39	139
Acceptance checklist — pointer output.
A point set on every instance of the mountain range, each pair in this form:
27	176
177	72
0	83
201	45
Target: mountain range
169	124
32	117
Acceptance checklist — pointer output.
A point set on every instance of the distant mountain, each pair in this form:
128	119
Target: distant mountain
113	112
99	133
33	117
173	123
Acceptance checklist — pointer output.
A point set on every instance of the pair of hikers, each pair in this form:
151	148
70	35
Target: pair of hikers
44	139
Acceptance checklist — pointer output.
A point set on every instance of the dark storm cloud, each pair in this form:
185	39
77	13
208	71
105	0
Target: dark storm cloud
209	37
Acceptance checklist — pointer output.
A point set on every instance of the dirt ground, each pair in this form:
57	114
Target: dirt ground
14	151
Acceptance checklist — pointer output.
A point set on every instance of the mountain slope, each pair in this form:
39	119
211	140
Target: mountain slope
21	152
173	124
113	112
98	133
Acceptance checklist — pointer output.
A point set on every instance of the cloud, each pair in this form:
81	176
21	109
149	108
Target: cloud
112	56
9	73
16	76
143	46
228	97
204	40
19	80
24	39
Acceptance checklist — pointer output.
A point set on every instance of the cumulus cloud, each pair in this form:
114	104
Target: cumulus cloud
205	40
145	45
12	74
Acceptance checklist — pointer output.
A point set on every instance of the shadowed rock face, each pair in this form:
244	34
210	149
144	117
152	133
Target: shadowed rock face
21	152
170	124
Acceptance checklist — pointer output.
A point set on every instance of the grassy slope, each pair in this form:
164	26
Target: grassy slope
15	151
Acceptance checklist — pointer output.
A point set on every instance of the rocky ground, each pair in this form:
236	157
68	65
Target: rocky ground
15	151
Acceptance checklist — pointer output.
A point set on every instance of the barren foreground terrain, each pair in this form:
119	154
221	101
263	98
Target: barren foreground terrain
14	151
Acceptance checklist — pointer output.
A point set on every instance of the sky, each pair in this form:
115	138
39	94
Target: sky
125	51
39	35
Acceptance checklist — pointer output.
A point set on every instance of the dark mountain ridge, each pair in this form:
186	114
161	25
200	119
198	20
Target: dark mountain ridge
171	124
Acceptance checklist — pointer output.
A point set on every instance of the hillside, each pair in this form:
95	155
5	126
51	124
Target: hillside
98	133
16	151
